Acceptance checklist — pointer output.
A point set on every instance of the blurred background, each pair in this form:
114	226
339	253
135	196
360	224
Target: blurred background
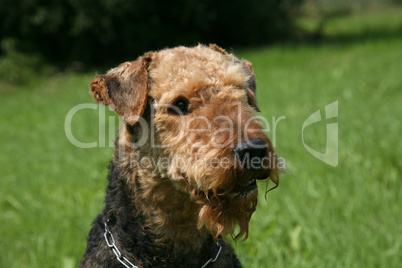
307	54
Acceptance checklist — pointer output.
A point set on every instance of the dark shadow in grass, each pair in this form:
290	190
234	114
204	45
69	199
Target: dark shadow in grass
366	35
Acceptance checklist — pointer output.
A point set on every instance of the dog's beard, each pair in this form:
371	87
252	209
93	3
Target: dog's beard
230	213
221	214
227	197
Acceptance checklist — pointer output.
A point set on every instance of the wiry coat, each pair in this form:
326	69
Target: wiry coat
173	215
136	242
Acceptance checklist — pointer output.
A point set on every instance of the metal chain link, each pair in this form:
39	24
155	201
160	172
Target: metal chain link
111	244
216	257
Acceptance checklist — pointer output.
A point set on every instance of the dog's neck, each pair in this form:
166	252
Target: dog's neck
164	208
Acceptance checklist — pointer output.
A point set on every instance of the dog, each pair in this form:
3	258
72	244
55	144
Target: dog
189	152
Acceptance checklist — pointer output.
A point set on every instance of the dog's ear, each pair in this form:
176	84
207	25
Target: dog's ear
217	48
251	86
124	88
252	100
251	83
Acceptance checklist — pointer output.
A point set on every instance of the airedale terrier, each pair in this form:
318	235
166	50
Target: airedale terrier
187	158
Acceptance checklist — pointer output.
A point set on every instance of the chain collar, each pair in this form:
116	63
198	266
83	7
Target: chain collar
111	244
123	260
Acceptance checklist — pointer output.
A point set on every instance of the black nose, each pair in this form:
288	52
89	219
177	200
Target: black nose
251	152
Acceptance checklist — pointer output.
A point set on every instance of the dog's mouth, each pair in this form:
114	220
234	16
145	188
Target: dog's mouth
246	188
242	191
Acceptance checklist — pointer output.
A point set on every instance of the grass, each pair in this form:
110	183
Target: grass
321	216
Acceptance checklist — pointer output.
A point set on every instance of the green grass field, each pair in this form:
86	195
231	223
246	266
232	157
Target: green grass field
320	216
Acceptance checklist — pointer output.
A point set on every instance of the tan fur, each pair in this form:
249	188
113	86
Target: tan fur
124	88
185	202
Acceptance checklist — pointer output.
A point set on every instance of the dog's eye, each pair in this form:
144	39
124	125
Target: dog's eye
179	107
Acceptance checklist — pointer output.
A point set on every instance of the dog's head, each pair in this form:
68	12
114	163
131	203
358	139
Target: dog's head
201	133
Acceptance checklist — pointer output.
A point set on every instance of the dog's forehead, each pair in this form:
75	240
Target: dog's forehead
194	68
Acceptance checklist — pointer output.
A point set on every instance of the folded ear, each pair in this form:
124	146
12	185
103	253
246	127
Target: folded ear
124	88
252	100
251	86
251	83
217	48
